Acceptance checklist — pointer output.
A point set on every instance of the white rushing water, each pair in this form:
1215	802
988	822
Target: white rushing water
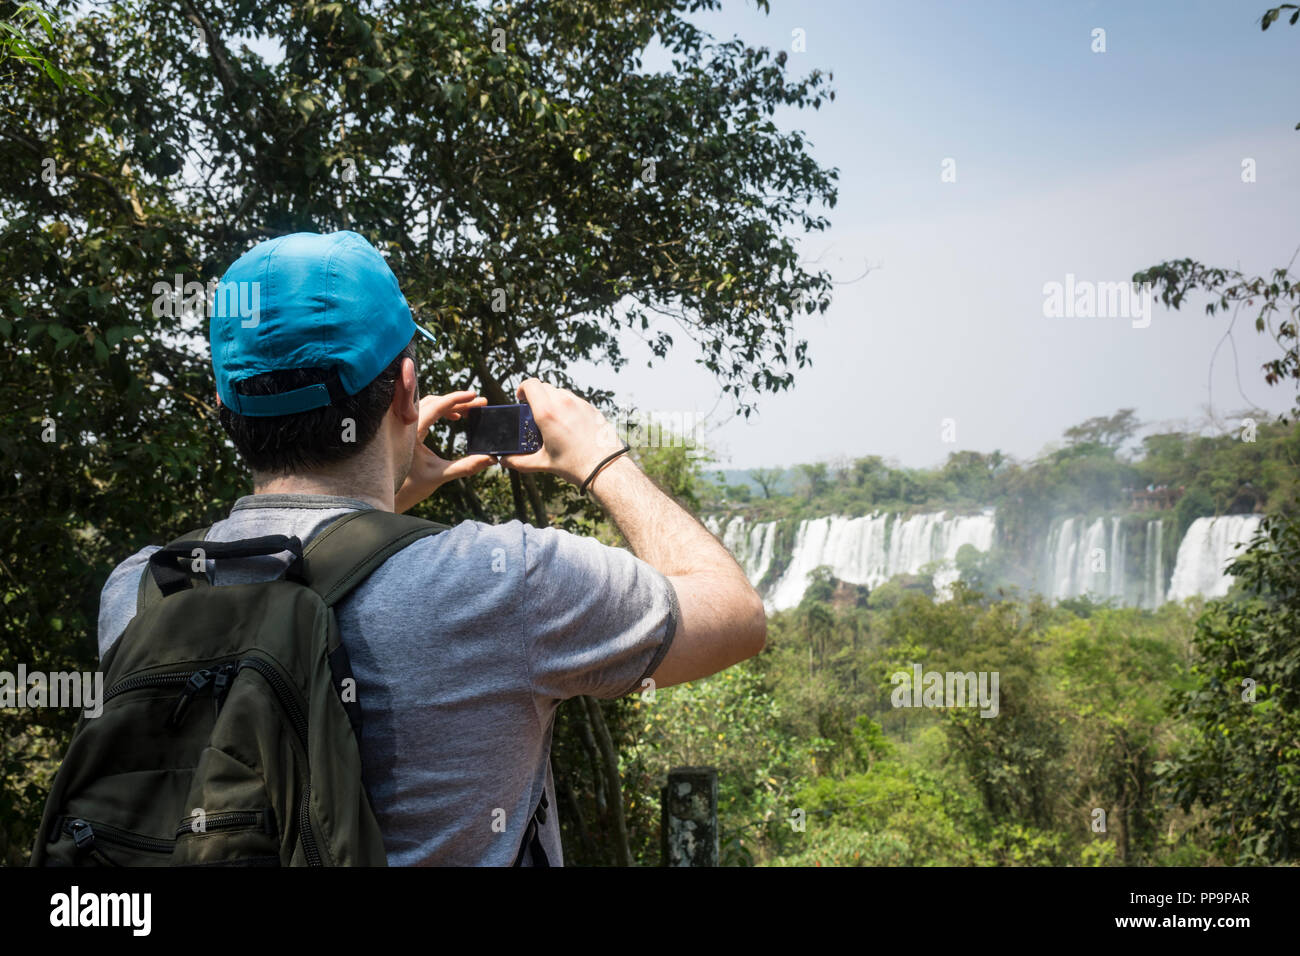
750	546
1208	547
868	550
1092	557
1098	557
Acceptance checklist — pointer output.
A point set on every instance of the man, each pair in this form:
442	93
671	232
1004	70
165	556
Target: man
464	643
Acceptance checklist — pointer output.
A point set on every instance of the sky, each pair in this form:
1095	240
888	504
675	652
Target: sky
1067	162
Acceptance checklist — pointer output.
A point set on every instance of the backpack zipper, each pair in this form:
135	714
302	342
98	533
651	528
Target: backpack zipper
264	820
151	680
197	681
221	682
282	691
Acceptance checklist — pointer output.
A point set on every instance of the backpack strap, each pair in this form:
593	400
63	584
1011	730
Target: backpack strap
148	592
342	556
345	553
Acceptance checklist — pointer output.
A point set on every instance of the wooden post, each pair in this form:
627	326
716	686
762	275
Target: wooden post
689	820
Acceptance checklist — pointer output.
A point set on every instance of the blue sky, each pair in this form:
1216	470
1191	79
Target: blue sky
1067	161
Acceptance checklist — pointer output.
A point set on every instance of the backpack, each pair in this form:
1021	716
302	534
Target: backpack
230	726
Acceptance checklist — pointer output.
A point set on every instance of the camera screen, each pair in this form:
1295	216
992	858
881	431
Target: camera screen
493	429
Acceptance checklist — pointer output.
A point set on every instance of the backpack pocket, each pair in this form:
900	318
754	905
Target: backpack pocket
231	838
230	817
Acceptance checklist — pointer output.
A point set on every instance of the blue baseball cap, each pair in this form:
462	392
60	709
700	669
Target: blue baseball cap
306	300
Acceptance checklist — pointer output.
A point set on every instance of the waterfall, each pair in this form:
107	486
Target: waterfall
1075	563
1084	557
1078	559
752	547
1109	557
872	549
1118	559
1153	586
1206	550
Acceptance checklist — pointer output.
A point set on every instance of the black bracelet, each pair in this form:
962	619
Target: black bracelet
596	470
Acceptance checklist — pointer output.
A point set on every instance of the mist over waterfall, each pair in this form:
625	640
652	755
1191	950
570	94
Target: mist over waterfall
1111	557
1207	548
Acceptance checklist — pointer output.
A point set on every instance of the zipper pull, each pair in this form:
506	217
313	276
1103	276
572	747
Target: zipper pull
198	680
221	683
82	835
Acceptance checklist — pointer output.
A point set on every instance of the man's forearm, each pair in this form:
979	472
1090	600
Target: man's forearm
659	531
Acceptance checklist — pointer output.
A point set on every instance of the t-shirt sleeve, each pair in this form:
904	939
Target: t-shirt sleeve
601	619
117	600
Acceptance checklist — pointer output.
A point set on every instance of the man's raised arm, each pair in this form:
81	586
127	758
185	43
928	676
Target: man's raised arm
722	621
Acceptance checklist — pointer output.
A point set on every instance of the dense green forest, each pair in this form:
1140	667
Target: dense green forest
1093	702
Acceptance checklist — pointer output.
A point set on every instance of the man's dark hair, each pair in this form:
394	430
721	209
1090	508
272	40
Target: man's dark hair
285	444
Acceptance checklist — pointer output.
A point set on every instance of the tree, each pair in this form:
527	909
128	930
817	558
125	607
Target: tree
767	478
738	492
817	614
1278	295
1107	431
536	190
815	477
1244	763
972	473
677	470
22	38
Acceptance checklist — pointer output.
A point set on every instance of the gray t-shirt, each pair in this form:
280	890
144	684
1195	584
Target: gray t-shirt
462	645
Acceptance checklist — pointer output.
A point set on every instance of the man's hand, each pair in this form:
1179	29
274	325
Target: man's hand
428	471
575	435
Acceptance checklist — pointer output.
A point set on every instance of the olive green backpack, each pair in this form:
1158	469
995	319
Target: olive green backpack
230	723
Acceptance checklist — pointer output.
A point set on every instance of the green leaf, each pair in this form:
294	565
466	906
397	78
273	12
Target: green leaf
63	336
118	332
